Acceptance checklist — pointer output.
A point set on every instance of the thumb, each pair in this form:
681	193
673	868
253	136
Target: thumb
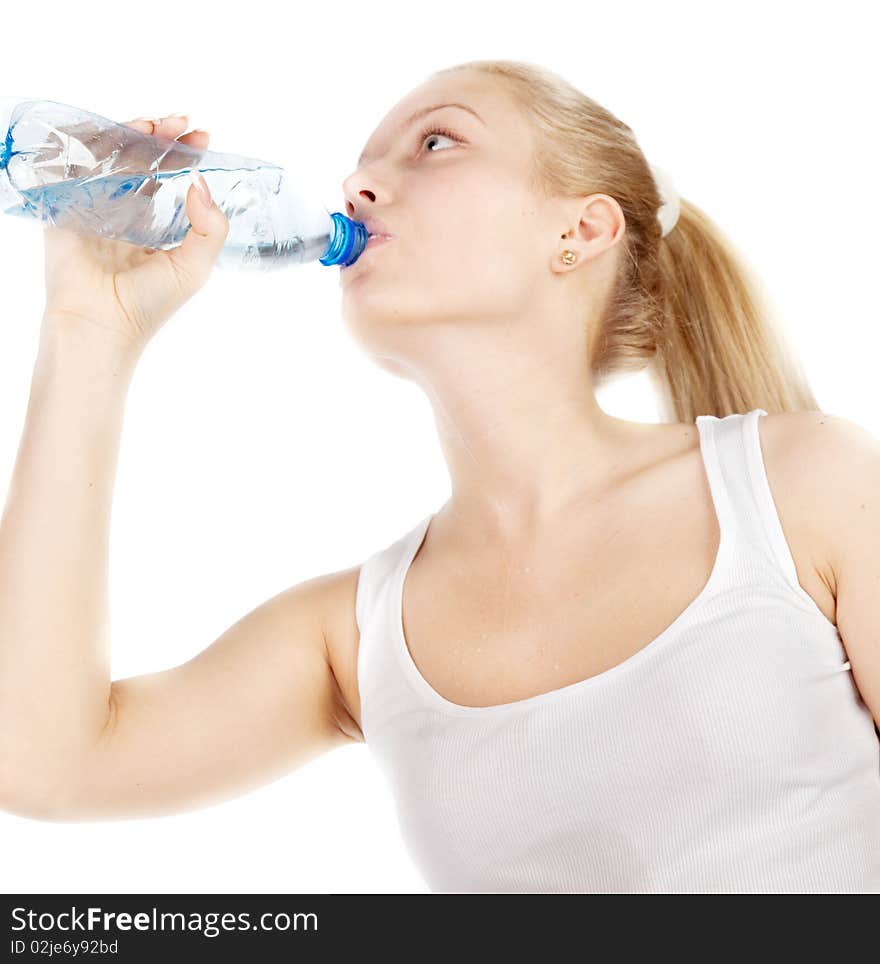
195	256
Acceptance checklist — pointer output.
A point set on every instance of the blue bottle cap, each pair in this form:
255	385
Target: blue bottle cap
347	243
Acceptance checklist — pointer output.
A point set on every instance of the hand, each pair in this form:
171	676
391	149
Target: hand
123	293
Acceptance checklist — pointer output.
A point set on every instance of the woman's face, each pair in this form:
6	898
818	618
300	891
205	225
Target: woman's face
471	242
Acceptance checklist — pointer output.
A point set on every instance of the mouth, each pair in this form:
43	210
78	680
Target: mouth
374	241
376	227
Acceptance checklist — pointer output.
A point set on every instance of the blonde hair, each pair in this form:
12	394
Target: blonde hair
686	307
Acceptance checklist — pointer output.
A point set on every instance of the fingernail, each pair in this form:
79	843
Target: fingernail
201	185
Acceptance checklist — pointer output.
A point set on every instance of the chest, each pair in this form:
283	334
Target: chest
485	631
707	757
488	630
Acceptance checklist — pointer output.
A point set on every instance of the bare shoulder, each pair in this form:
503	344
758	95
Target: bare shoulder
838	462
814	433
830	453
338	595
820	465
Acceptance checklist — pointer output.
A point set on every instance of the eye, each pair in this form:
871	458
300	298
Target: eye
442	131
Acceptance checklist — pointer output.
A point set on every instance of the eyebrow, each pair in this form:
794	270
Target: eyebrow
421	113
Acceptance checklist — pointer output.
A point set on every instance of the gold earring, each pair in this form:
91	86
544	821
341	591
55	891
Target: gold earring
569	257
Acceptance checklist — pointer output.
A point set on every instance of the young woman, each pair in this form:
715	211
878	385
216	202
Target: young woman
623	657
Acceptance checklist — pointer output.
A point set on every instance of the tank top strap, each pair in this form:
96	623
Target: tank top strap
377	571
383	689
747	499
367	589
764	512
728	442
719	459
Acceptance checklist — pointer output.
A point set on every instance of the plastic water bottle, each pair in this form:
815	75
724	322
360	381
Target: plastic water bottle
84	173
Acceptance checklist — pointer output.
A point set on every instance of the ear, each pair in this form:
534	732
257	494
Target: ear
597	223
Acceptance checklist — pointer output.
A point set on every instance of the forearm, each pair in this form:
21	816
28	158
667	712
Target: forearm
54	548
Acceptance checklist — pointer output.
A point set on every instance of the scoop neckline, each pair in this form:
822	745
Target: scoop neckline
685	617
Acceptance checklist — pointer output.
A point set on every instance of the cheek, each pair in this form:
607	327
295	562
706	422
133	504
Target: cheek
496	261
482	210
471	250
478	240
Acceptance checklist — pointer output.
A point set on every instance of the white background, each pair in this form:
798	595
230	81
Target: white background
261	447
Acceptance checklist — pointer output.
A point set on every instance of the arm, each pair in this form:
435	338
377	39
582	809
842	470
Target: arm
257	703
840	464
54	535
260	700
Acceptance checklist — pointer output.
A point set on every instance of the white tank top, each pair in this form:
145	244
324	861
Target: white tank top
731	754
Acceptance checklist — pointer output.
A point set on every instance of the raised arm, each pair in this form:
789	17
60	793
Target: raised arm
259	701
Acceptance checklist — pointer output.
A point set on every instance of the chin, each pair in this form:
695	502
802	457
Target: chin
391	366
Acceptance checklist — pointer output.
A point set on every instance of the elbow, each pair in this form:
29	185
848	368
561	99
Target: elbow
47	811
47	801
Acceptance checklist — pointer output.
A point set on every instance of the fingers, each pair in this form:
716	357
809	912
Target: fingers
195	257
197	138
169	126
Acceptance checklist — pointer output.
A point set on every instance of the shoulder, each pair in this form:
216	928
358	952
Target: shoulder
839	464
335	598
325	604
829	466
816	433
833	455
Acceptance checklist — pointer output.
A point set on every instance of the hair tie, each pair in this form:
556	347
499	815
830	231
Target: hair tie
670	206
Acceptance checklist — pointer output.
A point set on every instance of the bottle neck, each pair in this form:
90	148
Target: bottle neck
347	242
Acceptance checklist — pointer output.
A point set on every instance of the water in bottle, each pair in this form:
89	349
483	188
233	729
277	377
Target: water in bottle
82	172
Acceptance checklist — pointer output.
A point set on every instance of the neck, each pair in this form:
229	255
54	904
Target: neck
522	434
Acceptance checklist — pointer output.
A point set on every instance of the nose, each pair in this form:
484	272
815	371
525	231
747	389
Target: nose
356	212
357	194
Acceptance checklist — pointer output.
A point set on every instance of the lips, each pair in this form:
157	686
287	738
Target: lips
376	228
374	241
378	233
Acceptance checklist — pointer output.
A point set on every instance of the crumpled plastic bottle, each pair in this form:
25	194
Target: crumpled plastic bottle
82	172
